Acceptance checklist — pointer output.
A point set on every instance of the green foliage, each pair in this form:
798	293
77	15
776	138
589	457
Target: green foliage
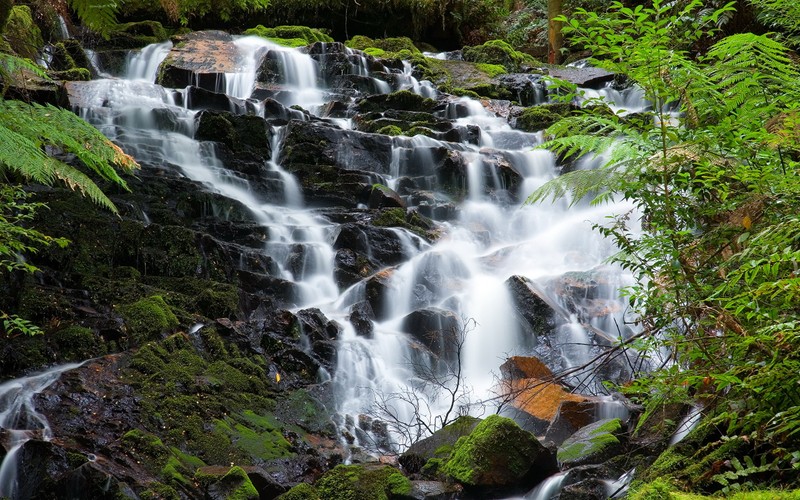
23	34
187	11
712	170
492	70
148	318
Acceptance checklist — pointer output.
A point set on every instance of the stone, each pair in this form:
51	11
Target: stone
383	197
594	443
199	58
362	318
438	445
435	328
532	306
498	456
582	77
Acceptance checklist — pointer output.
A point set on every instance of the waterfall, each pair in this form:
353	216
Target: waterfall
459	279
18	416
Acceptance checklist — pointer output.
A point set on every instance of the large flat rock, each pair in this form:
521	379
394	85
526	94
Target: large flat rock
582	77
197	58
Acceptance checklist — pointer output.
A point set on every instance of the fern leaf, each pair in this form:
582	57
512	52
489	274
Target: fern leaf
80	182
98	15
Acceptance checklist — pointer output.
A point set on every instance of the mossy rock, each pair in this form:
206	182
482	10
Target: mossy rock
491	70
536	118
22	33
593	443
428	454
393	44
361	482
403	100
147	319
302	491
135	35
72	75
226	483
76	343
498	52
497	453
292	34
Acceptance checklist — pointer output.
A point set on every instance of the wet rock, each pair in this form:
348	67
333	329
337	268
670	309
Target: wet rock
539	403
381	246
134	35
497	457
527	89
199	58
383	197
536	315
317	143
362	317
198	98
223	483
438	445
379	287
404	100
246	136
435	490
321	333
437	329
350	267
536	118
582	77
587	294
592	444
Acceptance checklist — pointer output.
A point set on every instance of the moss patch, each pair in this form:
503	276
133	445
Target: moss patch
302	491
498	52
147	319
22	33
357	482
540	117
232	485
292	36
590	442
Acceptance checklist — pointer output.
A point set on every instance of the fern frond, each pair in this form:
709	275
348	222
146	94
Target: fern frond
23	156
80	182
98	15
11	64
579	184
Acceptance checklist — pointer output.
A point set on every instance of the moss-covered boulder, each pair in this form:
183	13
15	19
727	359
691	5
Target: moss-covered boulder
594	443
302	491
404	100
536	118
439	445
498	455
363	482
147	319
134	35
290	36
392	44
498	52
22	33
226	483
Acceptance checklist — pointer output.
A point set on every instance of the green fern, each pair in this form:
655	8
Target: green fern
98	15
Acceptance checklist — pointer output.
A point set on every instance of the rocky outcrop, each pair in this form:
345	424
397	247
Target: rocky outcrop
199	58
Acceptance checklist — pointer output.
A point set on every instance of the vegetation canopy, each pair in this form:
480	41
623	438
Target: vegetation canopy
711	167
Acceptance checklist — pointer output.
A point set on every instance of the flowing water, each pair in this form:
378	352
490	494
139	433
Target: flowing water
493	237
21	422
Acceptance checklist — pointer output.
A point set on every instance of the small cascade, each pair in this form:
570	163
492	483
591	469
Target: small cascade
143	65
687	424
21	421
549	489
618	488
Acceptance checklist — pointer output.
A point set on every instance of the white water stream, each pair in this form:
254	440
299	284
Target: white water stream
465	272
21	422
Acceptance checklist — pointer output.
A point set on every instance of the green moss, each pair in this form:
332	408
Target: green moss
72	75
540	117
491	70
496	452
302	491
144	443
264	444
498	52
392	44
293	34
660	489
590	441
76	343
22	33
356	482
374	52
159	491
390	130
135	35
233	485
432	467
147	319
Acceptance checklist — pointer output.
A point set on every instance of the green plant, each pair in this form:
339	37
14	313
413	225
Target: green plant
711	169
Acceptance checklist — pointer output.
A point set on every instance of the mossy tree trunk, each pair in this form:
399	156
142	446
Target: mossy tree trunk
554	36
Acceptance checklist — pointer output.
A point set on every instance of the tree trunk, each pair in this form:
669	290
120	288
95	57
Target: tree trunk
554	36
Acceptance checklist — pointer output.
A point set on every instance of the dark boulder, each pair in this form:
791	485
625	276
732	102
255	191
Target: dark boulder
437	329
438	445
529	302
362	317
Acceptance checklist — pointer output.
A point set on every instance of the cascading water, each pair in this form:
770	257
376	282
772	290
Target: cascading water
21	421
461	276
